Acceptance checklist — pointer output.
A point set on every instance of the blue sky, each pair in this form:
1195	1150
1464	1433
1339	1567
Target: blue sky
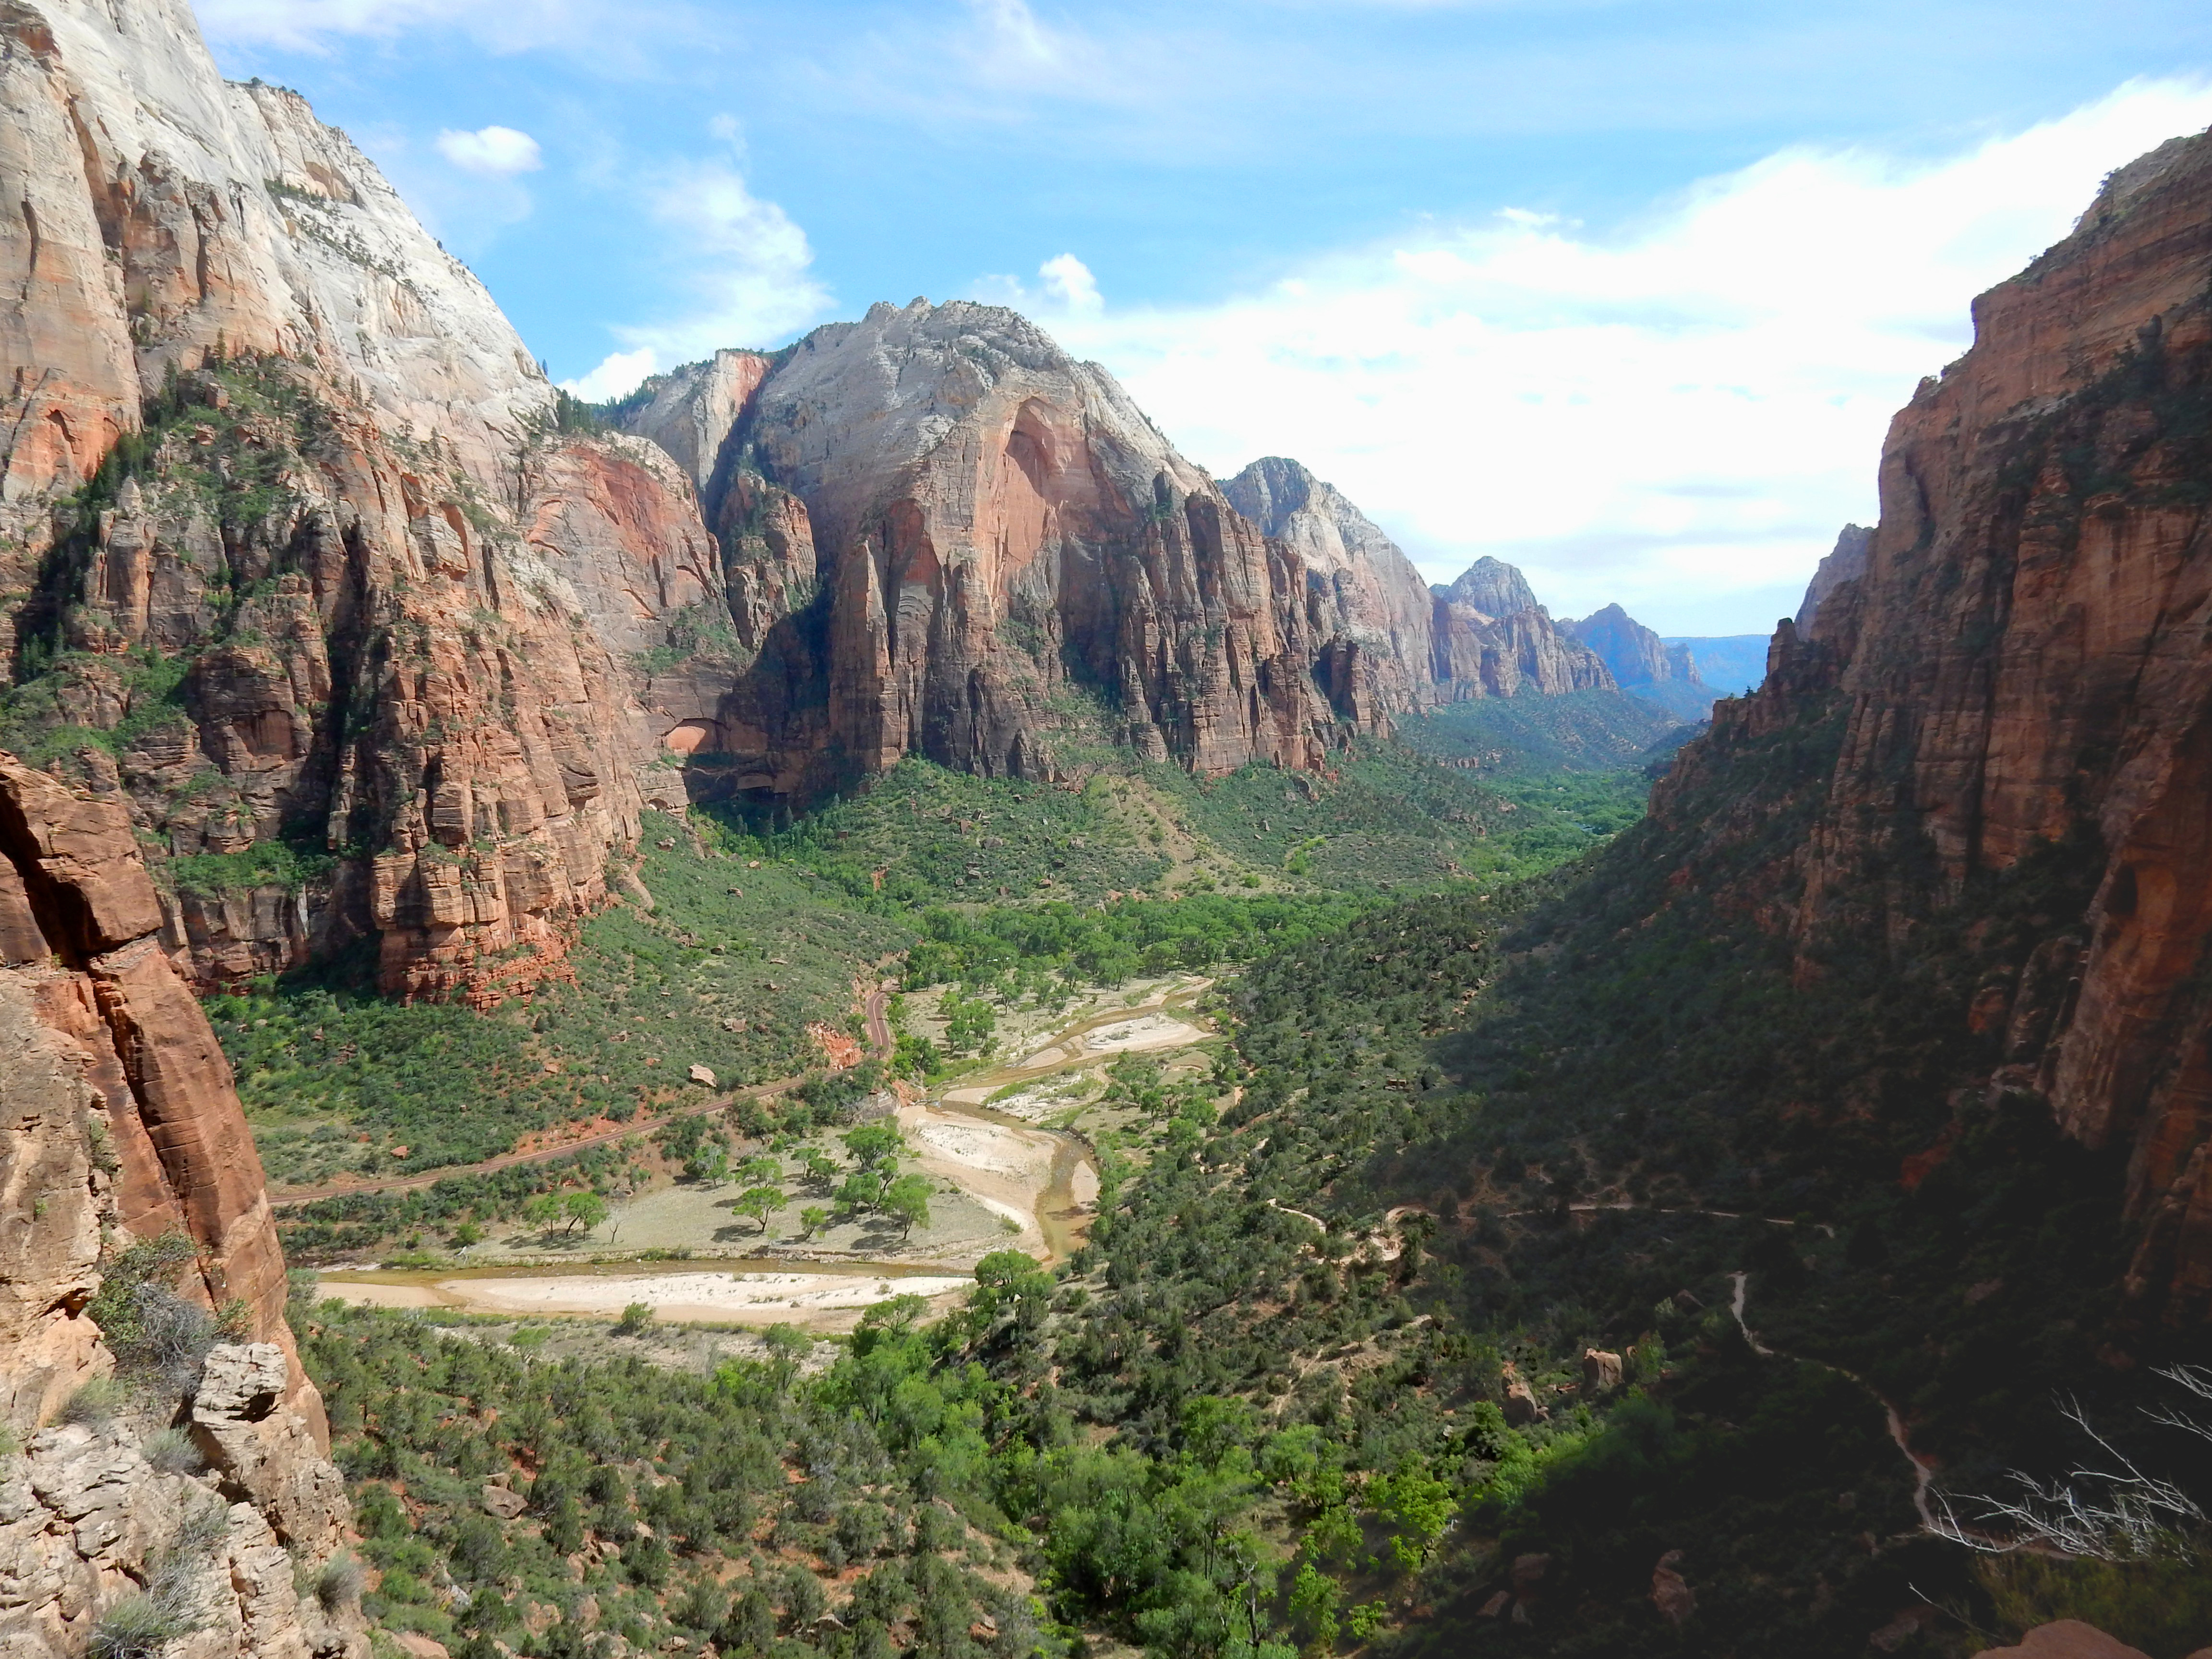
1624	292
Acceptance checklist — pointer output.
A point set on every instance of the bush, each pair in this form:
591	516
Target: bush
338	1586
95	1405
635	1319
136	1627
171	1451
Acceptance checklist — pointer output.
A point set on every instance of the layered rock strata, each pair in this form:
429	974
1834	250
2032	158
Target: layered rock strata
123	1125
292	550
2021	671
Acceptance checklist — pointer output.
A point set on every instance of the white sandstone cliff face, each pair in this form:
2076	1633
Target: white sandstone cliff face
163	209
1361	589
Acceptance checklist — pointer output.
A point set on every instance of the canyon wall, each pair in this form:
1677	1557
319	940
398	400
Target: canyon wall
1643	664
387	649
292	551
1485	636
122	1128
2021	671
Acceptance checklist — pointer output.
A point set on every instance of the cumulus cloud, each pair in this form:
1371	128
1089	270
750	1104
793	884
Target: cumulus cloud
743	263
496	152
1679	416
617	375
1069	283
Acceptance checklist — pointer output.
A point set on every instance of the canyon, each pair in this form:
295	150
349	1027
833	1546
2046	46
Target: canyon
2011	668
387	646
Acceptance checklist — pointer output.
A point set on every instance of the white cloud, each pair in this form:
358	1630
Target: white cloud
497	152
1069	282
745	266
1678	417
617	375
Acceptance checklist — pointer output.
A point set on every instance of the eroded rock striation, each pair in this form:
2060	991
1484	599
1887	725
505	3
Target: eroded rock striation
122	1128
2020	673
293	550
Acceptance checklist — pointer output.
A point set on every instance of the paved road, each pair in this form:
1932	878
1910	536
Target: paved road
879	1039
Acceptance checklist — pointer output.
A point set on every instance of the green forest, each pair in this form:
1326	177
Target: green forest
1474	1299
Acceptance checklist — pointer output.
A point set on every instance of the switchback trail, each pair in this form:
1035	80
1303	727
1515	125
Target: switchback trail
1924	1469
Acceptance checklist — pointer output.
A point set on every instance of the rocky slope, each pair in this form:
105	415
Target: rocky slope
2021	667
122	1130
293	550
1642	663
385	646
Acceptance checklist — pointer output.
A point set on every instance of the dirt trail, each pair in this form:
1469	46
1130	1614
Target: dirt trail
1924	1469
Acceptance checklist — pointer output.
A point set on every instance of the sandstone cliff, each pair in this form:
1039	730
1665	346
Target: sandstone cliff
1492	640
2022	667
122	1128
1364	600
1643	664
293	550
1845	562
945	536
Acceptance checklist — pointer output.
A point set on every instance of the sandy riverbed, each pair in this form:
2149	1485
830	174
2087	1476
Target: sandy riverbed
810	1301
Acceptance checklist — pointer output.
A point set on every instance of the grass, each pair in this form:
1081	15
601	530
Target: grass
335	1078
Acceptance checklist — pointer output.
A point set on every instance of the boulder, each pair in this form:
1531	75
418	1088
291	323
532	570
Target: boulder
1601	1372
1670	1593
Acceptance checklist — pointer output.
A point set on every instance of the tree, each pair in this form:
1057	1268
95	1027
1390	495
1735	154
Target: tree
759	1170
863	1191
634	1318
543	1211
875	1145
812	1220
906	1201
760	1202
585	1210
821	1168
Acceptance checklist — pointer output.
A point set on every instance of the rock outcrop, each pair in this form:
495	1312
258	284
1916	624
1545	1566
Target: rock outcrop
123	1127
1846	562
2022	667
358	631
1643	664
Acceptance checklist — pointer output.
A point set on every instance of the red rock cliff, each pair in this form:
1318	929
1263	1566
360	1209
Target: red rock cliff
2027	660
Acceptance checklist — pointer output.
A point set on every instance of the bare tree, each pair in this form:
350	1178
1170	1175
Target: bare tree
2118	1513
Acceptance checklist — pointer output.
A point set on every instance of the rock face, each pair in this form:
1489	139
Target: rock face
1492	640
1846	562
301	558
1365	604
1642	663
946	538
2022	666
122	1125
355	629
